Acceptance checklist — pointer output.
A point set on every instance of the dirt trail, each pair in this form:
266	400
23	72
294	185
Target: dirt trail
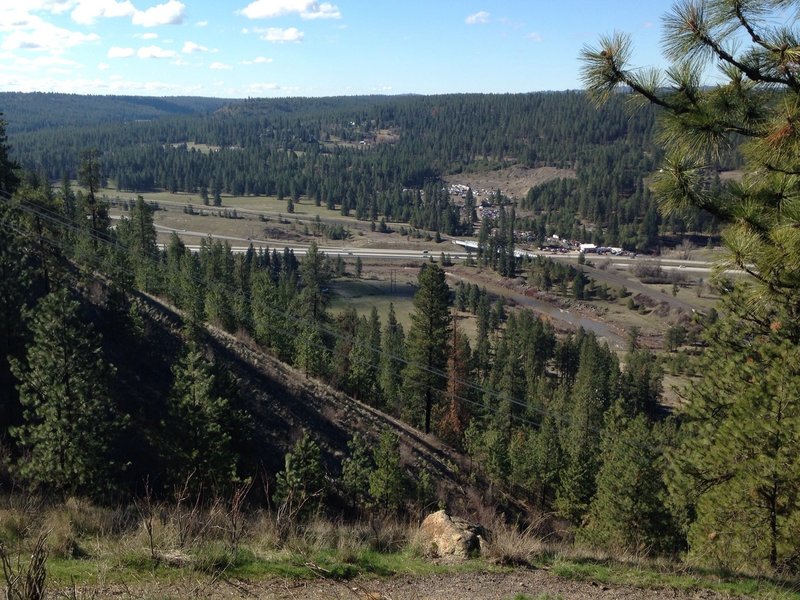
531	583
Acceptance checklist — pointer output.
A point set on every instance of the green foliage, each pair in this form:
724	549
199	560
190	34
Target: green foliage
392	357
70	422
609	150
301	485
595	388
427	345
755	97
628	512
738	453
387	482
200	429
356	470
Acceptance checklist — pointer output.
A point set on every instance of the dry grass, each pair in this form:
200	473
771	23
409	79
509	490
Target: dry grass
511	545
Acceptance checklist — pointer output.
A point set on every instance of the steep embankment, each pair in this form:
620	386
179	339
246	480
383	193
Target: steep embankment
285	403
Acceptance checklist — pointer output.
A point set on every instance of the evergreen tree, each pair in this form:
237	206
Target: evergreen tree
629	510
392	360
301	485
138	233
356	470
16	274
269	312
315	275
455	415
387	481
424	379
737	464
70	422
201	426
8	176
89	176
754	100
595	388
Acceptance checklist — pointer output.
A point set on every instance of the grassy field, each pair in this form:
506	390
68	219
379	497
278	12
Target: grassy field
304	209
172	551
377	291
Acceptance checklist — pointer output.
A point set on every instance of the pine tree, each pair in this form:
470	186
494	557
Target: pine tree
629	510
8	176
455	415
392	360
70	422
736	463
301	485
16	274
138	233
356	470
315	275
738	460
201	426
89	176
595	388
755	103
387	481
427	343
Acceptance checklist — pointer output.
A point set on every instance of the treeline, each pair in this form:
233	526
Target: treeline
35	111
378	157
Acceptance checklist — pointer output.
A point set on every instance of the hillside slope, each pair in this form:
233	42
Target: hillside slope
285	403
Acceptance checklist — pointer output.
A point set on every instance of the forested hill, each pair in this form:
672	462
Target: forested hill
39	110
375	156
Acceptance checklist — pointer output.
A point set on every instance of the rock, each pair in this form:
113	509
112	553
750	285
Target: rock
443	536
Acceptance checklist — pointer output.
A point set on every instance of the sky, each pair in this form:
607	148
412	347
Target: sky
274	48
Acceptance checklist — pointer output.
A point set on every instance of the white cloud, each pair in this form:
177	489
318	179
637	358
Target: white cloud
118	52
155	52
307	9
201	24
278	35
218	66
53	6
103	66
535	37
326	10
190	47
88	11
259	60
479	18
146	36
39	35
171	12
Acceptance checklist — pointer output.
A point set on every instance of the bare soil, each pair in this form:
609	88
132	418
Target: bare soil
512	181
531	583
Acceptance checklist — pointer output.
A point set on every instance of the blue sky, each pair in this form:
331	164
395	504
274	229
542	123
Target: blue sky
268	48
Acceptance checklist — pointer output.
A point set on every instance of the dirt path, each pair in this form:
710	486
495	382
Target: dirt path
533	584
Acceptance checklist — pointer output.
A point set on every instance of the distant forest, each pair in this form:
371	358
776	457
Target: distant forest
370	157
